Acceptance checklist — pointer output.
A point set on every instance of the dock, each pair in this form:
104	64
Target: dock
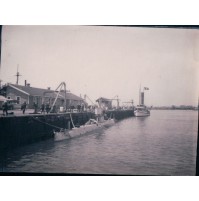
19	130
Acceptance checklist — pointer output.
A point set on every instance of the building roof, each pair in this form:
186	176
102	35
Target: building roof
33	91
71	96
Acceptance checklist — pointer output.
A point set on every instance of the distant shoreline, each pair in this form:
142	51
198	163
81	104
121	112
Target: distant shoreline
194	109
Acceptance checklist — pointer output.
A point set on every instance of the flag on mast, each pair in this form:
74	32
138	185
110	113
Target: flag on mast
146	88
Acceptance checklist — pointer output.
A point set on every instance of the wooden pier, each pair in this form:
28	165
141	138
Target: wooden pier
22	130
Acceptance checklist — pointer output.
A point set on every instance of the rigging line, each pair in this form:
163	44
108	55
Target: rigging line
90	100
72	120
47	123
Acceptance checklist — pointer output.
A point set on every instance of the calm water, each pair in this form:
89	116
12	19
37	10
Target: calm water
162	144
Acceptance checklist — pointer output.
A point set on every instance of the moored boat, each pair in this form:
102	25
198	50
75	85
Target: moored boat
141	110
91	125
100	122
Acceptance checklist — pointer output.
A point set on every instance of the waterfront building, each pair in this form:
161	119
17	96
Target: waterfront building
38	95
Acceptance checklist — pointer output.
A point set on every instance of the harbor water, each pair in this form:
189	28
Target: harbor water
164	143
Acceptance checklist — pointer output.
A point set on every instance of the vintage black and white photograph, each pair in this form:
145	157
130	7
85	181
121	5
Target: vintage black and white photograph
99	100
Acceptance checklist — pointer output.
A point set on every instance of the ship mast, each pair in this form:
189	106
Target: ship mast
17	74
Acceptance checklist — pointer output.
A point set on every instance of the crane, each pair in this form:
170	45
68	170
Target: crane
129	102
62	84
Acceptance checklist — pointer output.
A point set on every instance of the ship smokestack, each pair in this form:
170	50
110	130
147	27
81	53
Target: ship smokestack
142	98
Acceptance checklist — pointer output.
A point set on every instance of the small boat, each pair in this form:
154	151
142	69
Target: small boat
91	125
141	110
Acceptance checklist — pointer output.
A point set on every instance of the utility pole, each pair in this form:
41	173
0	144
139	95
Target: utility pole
17	75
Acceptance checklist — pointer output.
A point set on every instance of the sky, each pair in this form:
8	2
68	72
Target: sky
106	61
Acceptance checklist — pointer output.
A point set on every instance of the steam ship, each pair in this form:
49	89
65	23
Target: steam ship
141	110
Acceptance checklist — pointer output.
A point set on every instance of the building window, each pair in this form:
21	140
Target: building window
18	99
